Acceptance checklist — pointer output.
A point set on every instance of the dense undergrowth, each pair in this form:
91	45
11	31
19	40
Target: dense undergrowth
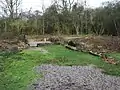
17	69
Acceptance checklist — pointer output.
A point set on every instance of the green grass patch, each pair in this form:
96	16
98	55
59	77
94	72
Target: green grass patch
17	69
79	58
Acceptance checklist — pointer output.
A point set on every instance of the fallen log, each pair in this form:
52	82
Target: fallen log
71	47
109	60
95	53
104	57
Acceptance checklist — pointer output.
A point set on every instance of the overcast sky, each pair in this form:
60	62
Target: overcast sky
36	4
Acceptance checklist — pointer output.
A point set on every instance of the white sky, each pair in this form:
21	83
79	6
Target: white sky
37	4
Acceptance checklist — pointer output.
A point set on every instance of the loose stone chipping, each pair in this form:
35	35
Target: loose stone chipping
74	78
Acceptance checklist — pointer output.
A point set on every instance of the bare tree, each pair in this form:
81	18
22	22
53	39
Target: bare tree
67	4
43	21
10	7
70	2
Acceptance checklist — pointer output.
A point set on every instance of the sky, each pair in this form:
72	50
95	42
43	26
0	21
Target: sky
37	4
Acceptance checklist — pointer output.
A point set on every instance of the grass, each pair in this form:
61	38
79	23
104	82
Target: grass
16	70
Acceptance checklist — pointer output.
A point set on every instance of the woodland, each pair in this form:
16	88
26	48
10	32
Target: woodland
62	17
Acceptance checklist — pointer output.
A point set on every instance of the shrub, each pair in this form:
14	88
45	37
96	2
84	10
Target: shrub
7	35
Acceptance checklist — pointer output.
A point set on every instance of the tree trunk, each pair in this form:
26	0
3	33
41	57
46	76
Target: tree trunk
5	26
76	29
116	27
43	29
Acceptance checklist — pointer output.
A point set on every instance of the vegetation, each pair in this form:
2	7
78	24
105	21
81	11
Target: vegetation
17	70
61	17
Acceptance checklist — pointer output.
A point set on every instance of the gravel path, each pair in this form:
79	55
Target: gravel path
74	78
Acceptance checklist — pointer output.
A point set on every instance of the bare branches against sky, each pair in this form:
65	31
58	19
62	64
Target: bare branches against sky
37	4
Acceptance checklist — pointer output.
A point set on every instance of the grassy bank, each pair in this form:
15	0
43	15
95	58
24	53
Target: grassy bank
16	70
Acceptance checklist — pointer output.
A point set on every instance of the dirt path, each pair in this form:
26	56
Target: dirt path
74	78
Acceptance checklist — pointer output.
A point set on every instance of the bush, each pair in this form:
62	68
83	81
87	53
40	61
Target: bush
7	35
22	38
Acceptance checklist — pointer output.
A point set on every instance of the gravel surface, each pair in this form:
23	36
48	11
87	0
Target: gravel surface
74	78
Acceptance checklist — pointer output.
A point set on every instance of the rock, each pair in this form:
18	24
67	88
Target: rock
12	46
22	45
